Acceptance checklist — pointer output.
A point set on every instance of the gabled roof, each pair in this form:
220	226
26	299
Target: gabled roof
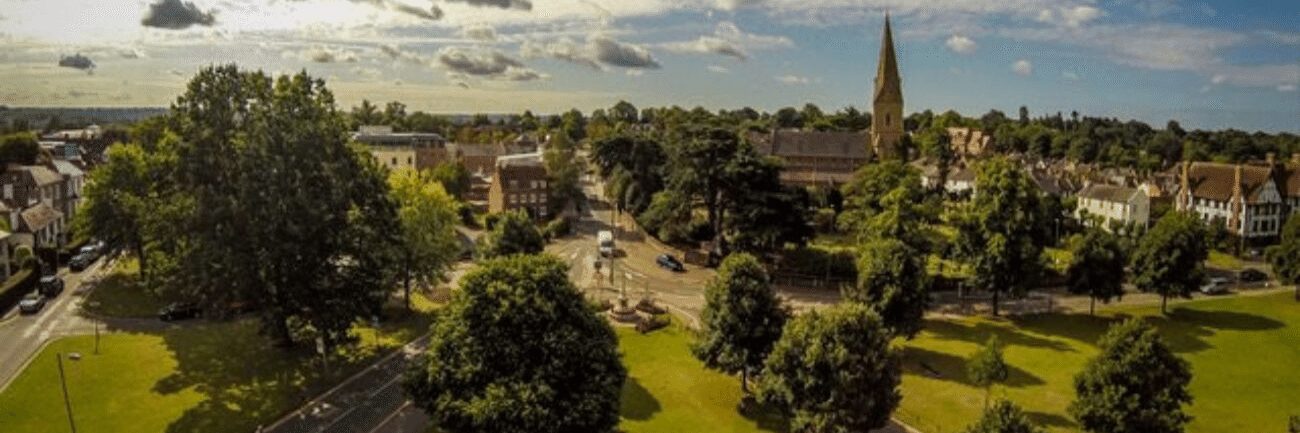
795	143
1110	193
67	168
37	217
1213	181
37	175
1289	181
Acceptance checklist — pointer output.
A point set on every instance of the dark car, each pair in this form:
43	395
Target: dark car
1252	275
179	311
669	262
51	286
31	303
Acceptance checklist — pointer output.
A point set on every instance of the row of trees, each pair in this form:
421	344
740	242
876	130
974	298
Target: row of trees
249	192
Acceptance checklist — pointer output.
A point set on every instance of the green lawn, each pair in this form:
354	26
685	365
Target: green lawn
1243	353
1221	260
668	390
205	376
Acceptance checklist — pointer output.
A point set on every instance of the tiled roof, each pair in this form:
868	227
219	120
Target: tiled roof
39	176
67	168
1211	180
1290	181
1109	193
38	217
811	143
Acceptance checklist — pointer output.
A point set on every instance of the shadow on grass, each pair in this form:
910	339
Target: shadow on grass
943	366
1051	420
979	332
766	417
638	404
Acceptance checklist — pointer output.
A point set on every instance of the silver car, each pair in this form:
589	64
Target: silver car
31	303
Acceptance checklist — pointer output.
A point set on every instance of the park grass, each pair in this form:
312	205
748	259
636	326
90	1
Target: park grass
121	293
203	376
1242	350
1221	260
668	390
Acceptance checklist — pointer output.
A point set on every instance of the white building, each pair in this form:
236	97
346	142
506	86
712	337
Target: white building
1114	205
1245	198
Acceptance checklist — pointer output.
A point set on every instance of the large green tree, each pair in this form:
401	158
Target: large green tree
893	281
1170	259
1001	232
1097	268
123	195
1285	256
742	318
563	169
518	350
1135	385
834	370
699	170
512	233
1004	417
19	148
641	161
453	176
865	195
285	212
428	217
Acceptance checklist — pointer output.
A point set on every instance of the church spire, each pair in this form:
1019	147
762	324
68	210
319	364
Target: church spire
887	81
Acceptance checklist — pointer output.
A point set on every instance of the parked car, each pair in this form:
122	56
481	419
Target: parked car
669	262
1216	286
51	286
179	311
31	303
1252	276
81	261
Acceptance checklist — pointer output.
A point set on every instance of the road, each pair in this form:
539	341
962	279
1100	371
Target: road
24	335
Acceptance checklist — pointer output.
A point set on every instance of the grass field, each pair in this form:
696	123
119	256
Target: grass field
120	293
205	376
1243	353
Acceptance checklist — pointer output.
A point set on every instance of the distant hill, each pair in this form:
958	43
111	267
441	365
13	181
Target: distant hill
71	117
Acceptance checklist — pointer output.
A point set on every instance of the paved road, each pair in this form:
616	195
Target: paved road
23	335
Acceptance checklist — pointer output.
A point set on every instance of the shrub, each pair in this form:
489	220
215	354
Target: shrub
648	306
557	228
824	220
655	322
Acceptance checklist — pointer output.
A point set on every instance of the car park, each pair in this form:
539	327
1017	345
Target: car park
51	286
179	311
669	262
32	303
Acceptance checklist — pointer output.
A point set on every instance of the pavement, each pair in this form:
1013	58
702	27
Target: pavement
24	335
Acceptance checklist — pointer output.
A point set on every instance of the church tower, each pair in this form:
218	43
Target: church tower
887	106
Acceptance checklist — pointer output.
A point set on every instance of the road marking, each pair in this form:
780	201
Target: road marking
391	416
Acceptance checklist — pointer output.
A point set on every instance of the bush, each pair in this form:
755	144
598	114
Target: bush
600	305
840	263
657	321
24	257
467	216
557	228
824	220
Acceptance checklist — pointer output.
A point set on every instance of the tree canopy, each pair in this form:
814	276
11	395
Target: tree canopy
1285	256
834	370
1135	385
742	318
1170	258
518	350
1002	230
1004	417
986	366
893	282
19	148
1097	268
512	233
429	244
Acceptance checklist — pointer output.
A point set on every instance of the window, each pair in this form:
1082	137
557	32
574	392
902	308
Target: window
514	199
394	162
409	161
514	183
9	192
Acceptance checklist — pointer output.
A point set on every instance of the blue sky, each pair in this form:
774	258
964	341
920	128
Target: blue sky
1208	64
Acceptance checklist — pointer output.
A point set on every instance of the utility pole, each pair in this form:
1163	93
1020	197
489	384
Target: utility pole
67	403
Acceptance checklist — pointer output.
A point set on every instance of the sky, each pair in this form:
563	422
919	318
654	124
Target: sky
1208	64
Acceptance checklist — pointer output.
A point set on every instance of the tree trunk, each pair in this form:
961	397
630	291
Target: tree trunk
1092	306
995	303
744	381
1164	299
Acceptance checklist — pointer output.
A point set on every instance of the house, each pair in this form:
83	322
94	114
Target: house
397	150
30	193
1114	205
1289	184
68	198
814	158
1243	197
519	182
968	143
477	158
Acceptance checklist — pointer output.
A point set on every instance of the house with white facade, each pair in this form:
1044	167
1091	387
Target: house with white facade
1245	198
1114	205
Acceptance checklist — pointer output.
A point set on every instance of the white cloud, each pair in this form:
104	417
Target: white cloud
1218	78
1070	76
600	49
717	69
960	44
1286	88
729	40
1287	38
480	32
1023	68
324	54
792	80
